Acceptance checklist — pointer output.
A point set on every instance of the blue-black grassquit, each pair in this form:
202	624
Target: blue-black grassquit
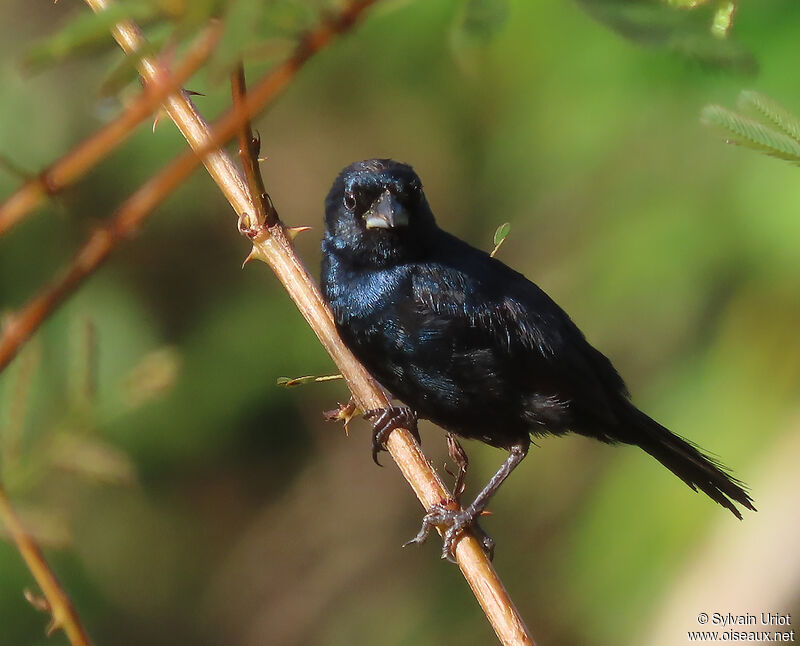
471	344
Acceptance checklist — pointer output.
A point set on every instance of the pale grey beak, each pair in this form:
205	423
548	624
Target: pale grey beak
386	213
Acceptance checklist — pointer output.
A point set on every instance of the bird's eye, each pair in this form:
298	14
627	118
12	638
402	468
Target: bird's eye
349	201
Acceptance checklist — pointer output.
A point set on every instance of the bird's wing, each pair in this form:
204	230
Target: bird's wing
511	325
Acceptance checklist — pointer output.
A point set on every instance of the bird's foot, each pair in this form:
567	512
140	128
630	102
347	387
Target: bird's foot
457	522
385	420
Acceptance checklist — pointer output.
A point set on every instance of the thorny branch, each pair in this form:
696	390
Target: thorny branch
273	246
56	601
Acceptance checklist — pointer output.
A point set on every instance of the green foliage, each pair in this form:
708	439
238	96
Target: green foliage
770	112
484	18
250	28
87	33
698	35
769	129
32	449
723	18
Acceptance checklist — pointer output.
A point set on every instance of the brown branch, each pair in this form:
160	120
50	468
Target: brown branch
61	610
89	152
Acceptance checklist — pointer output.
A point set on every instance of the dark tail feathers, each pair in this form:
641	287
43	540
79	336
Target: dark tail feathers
687	462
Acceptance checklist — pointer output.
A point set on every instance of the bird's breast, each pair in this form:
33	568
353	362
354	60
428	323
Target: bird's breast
366	295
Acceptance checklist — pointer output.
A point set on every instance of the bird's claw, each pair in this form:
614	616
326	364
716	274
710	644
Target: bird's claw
386	420
457	521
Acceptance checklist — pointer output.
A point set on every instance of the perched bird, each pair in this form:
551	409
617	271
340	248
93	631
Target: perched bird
472	345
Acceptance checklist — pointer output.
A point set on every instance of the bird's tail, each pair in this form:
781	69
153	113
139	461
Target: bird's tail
686	461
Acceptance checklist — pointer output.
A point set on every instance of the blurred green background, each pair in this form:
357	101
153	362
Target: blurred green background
183	498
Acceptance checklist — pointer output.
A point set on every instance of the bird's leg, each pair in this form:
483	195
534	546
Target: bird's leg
459	456
457	521
385	420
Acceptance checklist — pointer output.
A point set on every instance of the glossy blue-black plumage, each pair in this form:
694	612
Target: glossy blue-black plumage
468	342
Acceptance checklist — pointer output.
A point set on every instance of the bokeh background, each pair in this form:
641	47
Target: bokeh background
182	497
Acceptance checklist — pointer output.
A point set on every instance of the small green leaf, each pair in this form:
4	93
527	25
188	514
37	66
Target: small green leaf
723	19
749	133
499	236
92	459
502	231
769	112
153	376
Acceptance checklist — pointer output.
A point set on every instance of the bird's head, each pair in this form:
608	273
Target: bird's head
376	213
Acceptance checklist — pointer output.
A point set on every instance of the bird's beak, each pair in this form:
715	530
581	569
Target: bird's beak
386	213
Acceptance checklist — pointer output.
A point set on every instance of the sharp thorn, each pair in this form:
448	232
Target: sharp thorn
161	112
293	232
36	600
52	626
250	257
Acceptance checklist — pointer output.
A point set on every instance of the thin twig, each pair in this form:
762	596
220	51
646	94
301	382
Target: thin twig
61	610
84	156
249	148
